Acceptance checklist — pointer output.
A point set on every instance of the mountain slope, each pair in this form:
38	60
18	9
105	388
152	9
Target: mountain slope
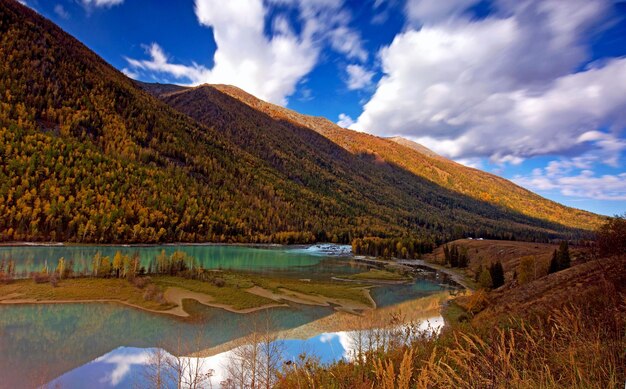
86	155
342	162
424	163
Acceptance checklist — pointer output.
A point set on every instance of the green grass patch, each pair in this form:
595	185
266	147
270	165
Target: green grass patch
82	289
378	274
333	290
232	293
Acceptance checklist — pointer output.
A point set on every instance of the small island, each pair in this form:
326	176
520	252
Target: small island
175	278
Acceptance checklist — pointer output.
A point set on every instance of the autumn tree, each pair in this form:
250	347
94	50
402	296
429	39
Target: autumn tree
611	236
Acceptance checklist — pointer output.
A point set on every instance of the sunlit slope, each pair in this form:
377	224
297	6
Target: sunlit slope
358	170
425	163
86	155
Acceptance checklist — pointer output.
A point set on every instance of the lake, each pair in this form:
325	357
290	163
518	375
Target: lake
320	261
41	342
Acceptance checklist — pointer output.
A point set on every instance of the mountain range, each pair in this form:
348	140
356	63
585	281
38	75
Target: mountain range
90	155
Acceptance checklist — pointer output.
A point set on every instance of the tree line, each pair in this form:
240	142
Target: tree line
403	248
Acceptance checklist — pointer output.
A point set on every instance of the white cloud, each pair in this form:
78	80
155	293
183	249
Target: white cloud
130	74
101	3
59	10
424	11
566	177
159	62
358	77
348	42
345	121
501	87
268	67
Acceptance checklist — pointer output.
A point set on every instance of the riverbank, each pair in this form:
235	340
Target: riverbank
239	293
455	275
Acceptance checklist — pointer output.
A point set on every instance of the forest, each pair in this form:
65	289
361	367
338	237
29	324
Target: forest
88	156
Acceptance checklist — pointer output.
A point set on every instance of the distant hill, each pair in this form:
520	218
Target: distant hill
415	146
88	156
424	163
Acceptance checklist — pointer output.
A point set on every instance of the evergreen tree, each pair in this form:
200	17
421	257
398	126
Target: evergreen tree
497	274
463	258
485	279
563	256
478	273
446	254
454	256
554	263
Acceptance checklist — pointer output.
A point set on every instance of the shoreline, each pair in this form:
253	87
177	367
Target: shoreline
176	295
163	244
413	263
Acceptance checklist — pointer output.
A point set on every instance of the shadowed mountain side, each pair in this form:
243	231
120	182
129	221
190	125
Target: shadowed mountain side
362	181
88	156
446	173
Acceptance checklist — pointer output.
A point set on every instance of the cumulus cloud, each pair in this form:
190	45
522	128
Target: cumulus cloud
268	67
575	178
358	77
507	87
345	121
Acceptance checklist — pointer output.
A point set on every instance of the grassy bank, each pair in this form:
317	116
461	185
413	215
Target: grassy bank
81	289
378	275
563	330
231	290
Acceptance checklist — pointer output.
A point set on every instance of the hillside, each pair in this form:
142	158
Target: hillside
562	330
424	163
88	156
435	191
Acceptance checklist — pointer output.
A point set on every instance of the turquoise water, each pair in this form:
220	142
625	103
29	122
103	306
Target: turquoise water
284	260
41	342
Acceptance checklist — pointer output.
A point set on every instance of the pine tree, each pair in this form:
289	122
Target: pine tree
454	256
485	279
554	263
446	254
563	256
497	274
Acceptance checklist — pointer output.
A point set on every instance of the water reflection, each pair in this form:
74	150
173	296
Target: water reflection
39	342
125	367
321	260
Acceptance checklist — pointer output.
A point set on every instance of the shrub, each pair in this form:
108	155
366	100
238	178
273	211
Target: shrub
140	282
40	278
611	237
54	280
153	293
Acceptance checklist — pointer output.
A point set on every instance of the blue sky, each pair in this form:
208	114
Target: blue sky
532	90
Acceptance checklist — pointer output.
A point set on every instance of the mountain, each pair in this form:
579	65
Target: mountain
206	105
422	162
415	146
89	155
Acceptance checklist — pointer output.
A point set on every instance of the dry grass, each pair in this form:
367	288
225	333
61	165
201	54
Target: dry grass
81	289
555	339
331	290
